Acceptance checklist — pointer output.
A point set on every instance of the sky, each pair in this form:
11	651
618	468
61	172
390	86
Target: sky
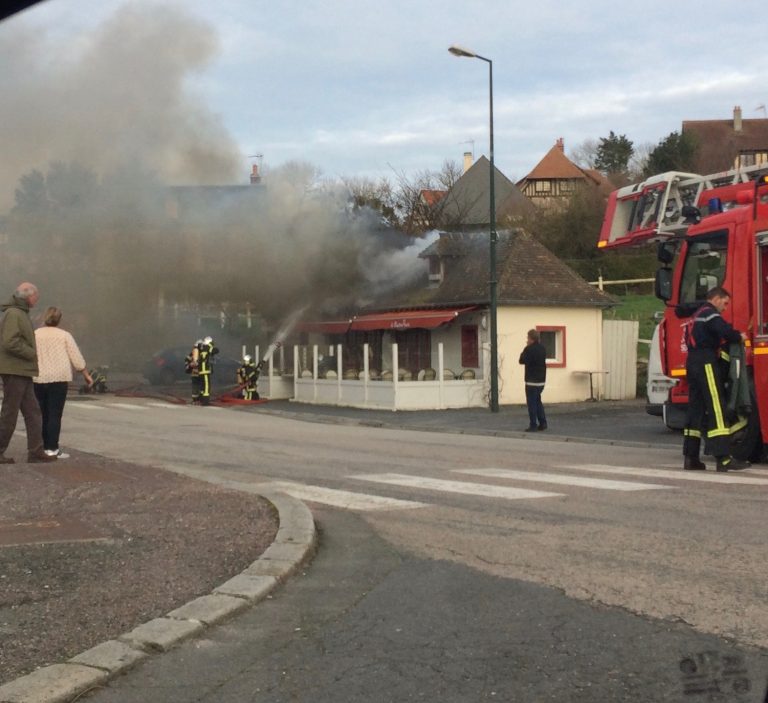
362	88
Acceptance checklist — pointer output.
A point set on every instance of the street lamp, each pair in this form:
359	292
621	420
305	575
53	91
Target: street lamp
494	400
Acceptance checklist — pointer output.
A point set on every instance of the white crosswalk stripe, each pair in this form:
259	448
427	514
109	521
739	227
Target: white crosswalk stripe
671	474
580	481
339	498
463	487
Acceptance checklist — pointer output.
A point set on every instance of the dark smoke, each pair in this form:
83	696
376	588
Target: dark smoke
113	208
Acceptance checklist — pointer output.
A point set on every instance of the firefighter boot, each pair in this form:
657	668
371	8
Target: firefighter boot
728	463
693	463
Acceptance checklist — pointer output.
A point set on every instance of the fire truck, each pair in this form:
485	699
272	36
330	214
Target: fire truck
708	230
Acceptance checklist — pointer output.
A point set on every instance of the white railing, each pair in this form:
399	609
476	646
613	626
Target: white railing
374	392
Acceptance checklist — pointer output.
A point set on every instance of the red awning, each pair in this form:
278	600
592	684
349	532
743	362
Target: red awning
407	319
329	327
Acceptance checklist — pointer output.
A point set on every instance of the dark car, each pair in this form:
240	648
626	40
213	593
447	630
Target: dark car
167	367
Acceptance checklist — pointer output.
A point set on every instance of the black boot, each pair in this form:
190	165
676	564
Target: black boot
693	463
728	463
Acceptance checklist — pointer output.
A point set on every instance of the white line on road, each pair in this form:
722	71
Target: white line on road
338	498
170	406
475	489
126	406
85	406
583	481
671	474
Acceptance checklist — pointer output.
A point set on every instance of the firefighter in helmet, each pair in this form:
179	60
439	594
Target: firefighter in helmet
705	335
191	367
247	377
205	353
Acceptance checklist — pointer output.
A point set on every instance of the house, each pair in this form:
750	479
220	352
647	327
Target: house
439	327
722	145
467	204
555	179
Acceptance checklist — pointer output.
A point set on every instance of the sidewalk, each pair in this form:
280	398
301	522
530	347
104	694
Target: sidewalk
90	548
615	422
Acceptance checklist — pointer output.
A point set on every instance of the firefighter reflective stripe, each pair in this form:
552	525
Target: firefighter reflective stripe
206	385
724	355
720	429
687	432
738	425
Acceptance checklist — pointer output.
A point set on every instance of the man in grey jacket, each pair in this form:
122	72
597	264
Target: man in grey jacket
18	365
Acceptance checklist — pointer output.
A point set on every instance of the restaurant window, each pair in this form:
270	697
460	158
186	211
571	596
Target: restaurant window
553	340
470	348
414	351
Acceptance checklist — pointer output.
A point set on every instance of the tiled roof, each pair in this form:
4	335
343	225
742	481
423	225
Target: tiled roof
432	197
469	199
718	143
555	164
528	274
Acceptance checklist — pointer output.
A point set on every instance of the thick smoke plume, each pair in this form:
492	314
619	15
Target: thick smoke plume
116	95
122	201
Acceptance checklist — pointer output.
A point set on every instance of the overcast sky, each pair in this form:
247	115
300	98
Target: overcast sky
368	88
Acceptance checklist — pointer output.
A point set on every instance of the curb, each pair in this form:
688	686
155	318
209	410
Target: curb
294	543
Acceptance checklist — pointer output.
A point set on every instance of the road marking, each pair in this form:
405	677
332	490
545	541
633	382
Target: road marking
87	405
582	481
170	406
126	406
338	498
475	489
671	474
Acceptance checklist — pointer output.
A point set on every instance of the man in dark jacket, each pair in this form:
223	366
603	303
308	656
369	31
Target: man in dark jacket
705	336
534	358
18	364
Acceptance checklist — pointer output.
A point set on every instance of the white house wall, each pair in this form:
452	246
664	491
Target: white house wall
583	351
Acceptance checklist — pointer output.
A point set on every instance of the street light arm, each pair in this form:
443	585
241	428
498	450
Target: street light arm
457	50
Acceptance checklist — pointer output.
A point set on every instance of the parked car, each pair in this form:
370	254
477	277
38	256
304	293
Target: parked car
167	367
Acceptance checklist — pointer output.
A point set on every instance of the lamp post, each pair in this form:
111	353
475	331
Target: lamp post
494	399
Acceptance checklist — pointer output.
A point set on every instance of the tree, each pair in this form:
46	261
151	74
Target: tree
585	154
676	152
613	154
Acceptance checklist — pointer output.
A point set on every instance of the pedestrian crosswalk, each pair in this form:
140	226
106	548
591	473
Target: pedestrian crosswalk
491	483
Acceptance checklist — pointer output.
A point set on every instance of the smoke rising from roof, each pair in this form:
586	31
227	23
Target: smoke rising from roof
109	182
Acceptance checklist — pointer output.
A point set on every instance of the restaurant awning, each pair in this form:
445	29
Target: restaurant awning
407	319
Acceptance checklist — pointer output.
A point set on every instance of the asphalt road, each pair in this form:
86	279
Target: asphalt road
597	568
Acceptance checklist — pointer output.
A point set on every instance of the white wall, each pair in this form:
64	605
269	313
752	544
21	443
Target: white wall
583	351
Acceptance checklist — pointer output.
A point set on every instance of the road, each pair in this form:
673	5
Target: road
473	567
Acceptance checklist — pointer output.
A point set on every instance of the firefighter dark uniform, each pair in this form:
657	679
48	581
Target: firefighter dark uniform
247	377
205	353
705	335
190	367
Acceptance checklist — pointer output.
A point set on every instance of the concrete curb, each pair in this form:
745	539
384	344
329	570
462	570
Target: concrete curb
294	543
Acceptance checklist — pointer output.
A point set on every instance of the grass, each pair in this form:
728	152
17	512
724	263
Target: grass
640	308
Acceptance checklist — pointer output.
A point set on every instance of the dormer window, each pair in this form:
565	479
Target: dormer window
436	269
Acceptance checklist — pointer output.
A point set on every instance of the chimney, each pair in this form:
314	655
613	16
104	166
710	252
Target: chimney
255	177
737	119
560	144
467	161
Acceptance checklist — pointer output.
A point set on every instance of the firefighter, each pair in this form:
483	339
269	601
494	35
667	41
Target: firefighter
205	353
706	332
247	377
190	367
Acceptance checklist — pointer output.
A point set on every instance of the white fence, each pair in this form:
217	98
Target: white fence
620	358
386	391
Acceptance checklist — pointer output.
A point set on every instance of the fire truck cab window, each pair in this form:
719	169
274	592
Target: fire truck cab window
704	269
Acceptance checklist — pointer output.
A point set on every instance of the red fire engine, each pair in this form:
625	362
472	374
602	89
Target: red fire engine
708	230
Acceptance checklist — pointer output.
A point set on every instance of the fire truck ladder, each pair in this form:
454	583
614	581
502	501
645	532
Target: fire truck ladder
653	209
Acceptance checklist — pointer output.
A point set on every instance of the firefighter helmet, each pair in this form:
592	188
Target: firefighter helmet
207	340
246	358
